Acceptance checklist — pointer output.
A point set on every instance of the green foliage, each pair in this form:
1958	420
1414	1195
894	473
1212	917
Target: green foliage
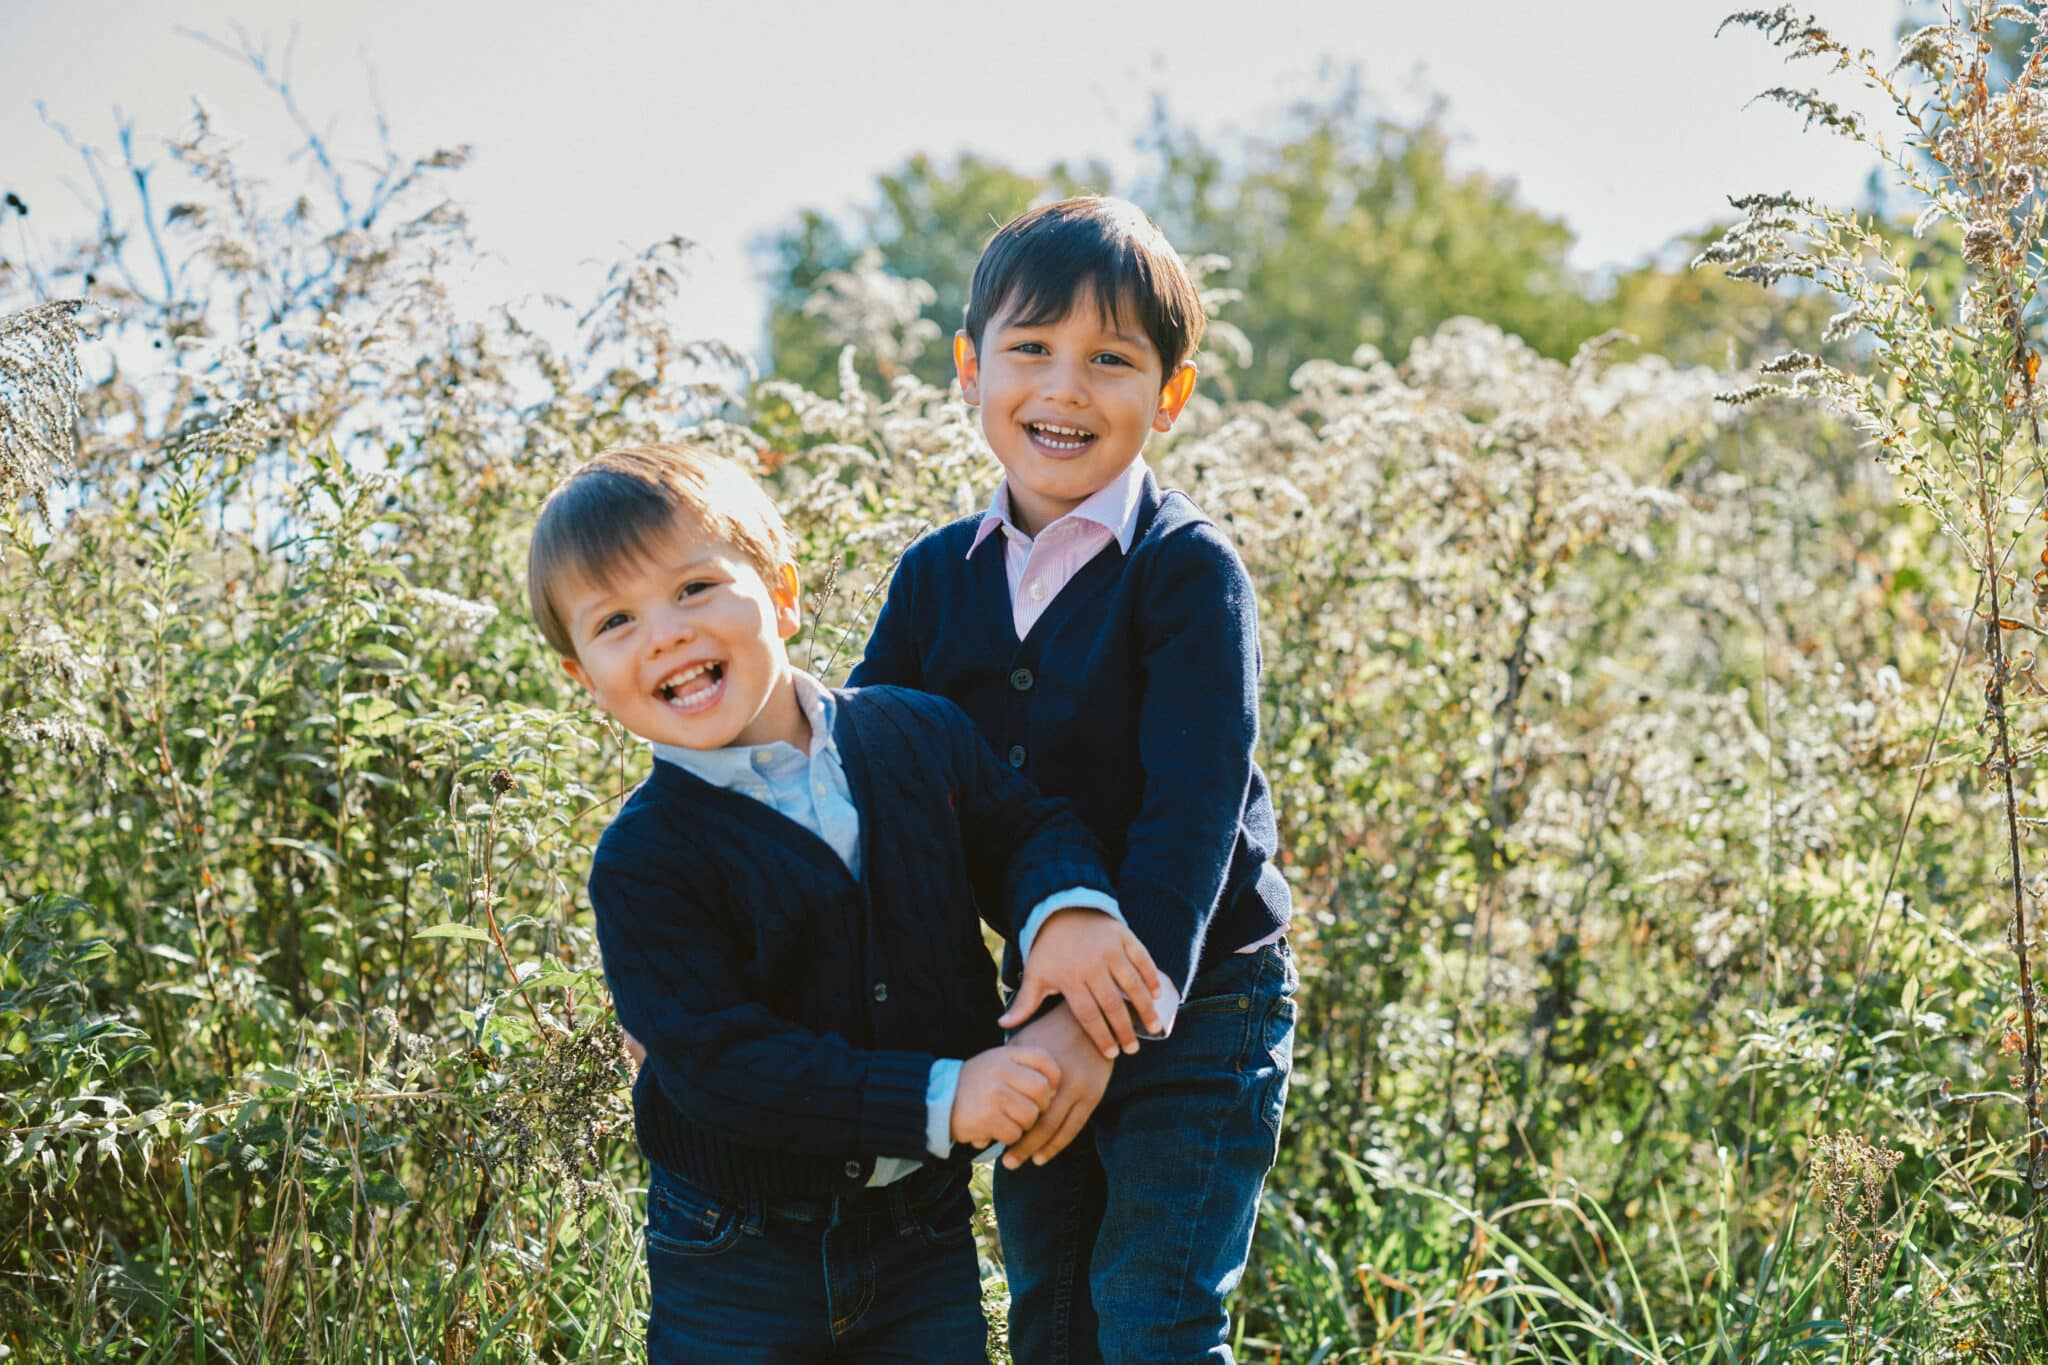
1633	808
929	222
1352	229
1344	229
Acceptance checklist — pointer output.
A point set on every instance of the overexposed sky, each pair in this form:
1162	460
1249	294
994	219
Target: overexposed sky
601	127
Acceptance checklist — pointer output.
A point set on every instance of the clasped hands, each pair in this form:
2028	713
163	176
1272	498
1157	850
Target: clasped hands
1036	1092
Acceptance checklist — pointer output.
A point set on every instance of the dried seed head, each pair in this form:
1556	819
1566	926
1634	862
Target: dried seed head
1983	243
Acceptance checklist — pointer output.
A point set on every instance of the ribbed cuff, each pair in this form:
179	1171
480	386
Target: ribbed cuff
892	1109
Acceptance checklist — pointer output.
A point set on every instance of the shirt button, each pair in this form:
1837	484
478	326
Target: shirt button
1016	755
853	1170
761	760
881	991
1037	589
1021	680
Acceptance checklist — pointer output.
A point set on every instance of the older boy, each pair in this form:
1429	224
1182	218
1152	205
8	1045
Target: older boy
1102	635
783	912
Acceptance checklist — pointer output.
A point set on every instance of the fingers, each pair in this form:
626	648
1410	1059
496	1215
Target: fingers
1110	1001
1089	1015
1139	981
1029	997
1004	1129
1020	1149
1070	1123
1040	1062
1148	972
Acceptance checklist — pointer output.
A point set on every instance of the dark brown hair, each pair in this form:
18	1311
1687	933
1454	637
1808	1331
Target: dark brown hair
1039	263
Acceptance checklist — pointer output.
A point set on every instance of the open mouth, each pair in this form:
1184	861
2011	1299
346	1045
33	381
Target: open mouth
1055	439
692	688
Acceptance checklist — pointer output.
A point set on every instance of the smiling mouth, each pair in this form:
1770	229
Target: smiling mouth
692	688
1055	439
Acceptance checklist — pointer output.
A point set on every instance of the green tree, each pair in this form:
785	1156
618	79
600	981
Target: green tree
1347	228
1354	228
929	221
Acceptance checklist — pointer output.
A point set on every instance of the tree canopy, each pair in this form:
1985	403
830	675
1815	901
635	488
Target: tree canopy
1345	227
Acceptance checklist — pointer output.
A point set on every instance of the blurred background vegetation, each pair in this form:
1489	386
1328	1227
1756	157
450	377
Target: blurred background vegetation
1657	779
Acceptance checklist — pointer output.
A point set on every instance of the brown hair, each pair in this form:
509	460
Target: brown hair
1039	263
624	505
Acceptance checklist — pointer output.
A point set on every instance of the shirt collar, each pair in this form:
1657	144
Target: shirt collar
727	767
1113	507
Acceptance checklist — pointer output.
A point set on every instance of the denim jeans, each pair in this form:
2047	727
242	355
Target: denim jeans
882	1275
1123	1248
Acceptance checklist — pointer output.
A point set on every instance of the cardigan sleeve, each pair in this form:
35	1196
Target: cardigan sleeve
891	655
727	1062
1197	729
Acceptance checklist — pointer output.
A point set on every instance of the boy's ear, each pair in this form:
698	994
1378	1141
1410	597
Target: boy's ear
576	671
967	366
782	589
1174	395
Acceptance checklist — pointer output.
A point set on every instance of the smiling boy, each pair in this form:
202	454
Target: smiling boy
1103	636
784	909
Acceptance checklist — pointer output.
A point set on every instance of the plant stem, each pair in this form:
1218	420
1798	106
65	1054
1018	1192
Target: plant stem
2030	1055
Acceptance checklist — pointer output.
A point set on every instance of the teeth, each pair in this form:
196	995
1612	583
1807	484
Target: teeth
674	682
1051	434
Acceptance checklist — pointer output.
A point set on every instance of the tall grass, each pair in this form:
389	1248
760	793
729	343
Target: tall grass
1656	788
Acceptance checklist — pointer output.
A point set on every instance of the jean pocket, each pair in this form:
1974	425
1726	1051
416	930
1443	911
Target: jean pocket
947	1221
684	1220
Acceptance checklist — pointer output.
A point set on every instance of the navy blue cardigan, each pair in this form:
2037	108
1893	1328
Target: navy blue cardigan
1135	696
791	1015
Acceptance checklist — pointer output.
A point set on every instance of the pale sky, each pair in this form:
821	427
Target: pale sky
599	128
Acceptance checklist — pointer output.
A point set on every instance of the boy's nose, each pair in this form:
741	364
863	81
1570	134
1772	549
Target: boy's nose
671	629
1063	384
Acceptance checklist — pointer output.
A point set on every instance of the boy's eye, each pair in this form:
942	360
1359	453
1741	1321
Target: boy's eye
616	618
1030	347
695	586
1112	357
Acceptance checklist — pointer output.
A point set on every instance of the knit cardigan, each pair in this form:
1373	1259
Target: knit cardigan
1135	696
791	1015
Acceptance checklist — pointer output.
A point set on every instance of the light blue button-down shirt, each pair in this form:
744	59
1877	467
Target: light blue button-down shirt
811	789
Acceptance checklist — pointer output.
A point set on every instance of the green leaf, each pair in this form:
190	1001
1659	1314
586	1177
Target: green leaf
281	1077
468	931
307	847
382	1187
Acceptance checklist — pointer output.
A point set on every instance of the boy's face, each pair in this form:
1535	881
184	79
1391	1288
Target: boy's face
1066	405
684	647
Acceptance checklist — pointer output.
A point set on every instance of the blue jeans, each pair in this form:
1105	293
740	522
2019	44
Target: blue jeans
882	1275
1124	1247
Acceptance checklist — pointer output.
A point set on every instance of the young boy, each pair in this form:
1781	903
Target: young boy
784	908
1103	637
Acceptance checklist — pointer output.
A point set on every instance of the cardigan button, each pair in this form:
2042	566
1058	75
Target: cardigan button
881	991
1021	679
1016	755
853	1170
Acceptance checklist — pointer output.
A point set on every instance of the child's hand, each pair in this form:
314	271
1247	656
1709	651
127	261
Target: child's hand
1001	1093
634	1049
1097	964
1084	1075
